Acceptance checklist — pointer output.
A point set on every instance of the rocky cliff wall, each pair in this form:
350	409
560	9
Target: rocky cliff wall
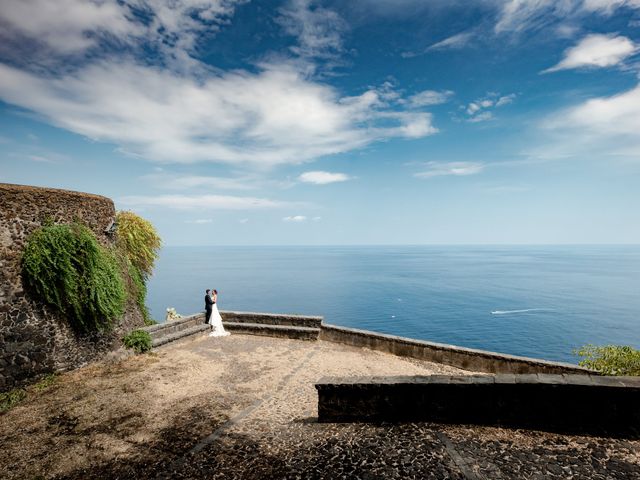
35	340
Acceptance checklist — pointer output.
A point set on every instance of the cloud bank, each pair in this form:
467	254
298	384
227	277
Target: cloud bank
175	109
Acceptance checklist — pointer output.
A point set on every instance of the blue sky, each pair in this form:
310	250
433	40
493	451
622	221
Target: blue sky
363	122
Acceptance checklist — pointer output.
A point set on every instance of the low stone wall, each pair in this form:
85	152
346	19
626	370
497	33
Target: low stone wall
272	319
461	357
567	403
34	339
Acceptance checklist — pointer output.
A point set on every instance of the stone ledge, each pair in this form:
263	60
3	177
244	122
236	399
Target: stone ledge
192	331
561	403
167	326
282	331
461	357
271	319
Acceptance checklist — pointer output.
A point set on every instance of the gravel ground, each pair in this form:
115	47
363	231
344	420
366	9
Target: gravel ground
245	407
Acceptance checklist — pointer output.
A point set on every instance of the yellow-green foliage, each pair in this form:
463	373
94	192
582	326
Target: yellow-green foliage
610	359
139	240
68	269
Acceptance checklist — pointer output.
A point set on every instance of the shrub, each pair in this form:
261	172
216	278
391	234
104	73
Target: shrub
137	238
139	340
67	268
8	400
139	242
610	359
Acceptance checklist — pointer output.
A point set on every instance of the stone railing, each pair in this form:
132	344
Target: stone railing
461	357
305	327
580	403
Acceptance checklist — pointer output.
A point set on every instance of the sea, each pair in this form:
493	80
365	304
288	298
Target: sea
536	301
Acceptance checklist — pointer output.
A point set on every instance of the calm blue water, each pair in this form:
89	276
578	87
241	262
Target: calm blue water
545	301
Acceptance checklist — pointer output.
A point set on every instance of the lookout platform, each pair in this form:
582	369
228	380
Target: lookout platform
246	407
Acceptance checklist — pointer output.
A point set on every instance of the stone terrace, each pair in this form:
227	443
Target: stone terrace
246	407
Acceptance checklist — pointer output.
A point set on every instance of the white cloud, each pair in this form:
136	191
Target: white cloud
596	51
201	202
172	26
478	109
322	178
459	40
200	221
182	182
316	219
521	15
41	159
243	220
456	41
505	100
481	117
180	110
295	219
429	97
437	169
319	30
610	124
271	117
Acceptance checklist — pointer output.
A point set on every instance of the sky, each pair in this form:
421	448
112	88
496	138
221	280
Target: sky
299	122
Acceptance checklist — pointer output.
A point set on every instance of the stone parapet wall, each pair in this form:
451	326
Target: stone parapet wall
461	357
272	319
33	339
567	403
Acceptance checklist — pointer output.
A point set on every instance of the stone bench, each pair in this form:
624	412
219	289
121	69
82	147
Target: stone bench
563	403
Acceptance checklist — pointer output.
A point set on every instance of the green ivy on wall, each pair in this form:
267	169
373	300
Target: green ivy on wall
68	269
139	242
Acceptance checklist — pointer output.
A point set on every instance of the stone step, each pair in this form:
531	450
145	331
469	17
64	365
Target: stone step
282	331
200	329
271	319
162	329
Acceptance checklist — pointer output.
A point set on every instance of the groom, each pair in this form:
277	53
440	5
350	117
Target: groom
208	306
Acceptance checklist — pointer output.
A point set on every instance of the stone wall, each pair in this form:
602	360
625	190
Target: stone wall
34	339
461	357
563	403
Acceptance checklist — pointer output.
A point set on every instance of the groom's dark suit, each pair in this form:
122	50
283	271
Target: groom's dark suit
208	307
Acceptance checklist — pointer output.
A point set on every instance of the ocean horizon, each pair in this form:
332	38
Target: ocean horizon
541	301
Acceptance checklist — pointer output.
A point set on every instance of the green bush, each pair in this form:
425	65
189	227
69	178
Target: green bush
139	340
610	359
8	400
66	267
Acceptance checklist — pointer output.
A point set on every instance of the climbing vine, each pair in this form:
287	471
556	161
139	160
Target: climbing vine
69	270
138	240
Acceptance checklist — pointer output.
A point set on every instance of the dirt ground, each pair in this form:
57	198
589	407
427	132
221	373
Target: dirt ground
245	407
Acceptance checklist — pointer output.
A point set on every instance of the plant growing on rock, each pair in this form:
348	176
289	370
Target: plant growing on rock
139	242
137	238
138	340
610	359
68	269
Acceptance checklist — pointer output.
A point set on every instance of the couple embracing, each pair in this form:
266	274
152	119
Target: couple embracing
213	317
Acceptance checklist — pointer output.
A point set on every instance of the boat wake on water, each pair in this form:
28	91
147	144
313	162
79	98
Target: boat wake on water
525	310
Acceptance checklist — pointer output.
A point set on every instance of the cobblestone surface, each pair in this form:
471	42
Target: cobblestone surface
253	416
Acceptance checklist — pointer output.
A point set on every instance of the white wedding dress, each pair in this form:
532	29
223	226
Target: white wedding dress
217	329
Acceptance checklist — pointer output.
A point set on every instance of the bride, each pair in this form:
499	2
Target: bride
217	329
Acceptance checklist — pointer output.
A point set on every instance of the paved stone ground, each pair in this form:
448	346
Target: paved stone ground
255	418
